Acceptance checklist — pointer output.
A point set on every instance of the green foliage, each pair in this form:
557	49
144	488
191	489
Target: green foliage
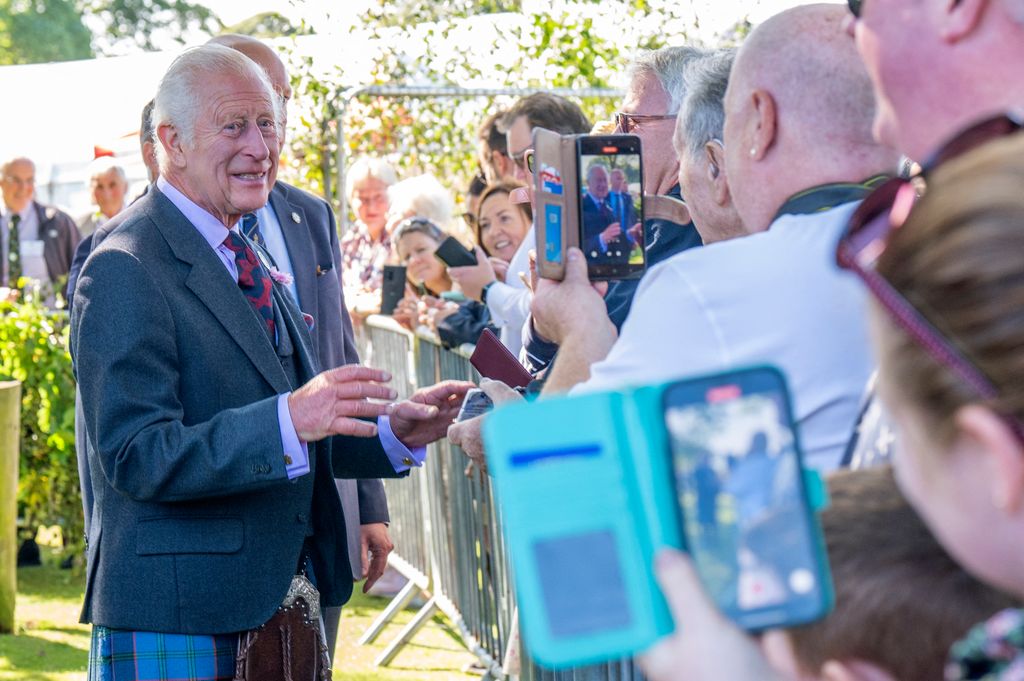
571	44
267	25
34	350
33	31
142	23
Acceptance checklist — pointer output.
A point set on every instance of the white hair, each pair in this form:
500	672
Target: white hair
179	101
422	196
670	65
367	167
105	164
702	117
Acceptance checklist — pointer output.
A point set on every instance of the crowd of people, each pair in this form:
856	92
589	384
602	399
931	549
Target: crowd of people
231	446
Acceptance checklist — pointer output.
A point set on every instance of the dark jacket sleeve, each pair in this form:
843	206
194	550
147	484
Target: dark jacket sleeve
465	325
373	503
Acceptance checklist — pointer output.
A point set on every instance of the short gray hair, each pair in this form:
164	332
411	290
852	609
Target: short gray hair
105	164
367	167
702	117
177	100
670	65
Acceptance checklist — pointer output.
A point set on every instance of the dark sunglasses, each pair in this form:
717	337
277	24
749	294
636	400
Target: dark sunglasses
887	209
627	122
855	6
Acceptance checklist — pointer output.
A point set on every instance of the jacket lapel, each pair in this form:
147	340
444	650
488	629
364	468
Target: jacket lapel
212	285
300	246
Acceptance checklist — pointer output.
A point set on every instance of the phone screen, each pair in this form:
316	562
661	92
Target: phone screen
611	206
743	508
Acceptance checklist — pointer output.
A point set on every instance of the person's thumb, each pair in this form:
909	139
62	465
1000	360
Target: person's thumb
498	391
481	257
682	588
576	267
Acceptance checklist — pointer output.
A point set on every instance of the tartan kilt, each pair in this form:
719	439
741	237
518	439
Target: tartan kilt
116	655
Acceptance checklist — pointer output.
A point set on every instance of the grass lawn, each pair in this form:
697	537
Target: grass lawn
50	644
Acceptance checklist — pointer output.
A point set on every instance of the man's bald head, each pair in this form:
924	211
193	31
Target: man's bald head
263	55
799	111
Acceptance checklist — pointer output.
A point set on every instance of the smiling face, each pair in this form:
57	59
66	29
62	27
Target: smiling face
597	182
19	184
416	251
108	190
502	226
230	165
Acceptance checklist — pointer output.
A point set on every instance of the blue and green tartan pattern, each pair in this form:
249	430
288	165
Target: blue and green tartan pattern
116	655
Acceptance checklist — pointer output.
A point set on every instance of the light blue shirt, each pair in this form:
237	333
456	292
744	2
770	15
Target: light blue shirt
215	232
774	298
275	244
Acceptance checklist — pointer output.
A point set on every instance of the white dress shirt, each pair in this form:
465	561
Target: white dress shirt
509	302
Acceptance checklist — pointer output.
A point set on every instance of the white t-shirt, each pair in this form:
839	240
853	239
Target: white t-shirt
774	298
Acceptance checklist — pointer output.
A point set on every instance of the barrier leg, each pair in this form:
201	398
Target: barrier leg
417	622
397	604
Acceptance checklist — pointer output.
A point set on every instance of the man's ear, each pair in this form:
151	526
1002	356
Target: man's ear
715	156
764	124
171	140
853	670
961	17
982	431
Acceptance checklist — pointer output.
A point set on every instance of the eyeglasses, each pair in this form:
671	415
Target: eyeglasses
867	234
628	122
524	160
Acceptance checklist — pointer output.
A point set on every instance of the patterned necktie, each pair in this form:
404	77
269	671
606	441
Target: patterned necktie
254	281
13	251
251	229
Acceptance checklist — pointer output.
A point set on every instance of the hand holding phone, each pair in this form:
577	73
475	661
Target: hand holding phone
453	254
743	506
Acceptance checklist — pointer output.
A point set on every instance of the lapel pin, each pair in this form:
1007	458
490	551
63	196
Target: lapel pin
319	270
295	218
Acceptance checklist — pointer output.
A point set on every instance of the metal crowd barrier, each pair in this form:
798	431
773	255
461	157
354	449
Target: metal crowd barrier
447	531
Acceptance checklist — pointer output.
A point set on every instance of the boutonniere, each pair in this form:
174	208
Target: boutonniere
280	277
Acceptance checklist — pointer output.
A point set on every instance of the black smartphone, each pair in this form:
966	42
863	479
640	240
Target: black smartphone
611	206
743	505
392	288
453	254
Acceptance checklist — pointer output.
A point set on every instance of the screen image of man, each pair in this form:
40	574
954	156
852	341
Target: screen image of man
608	219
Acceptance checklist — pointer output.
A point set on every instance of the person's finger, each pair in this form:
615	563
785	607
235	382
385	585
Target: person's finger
378	563
499	392
364	549
412	411
344	425
682	588
356	372
576	267
361	409
438	393
354	390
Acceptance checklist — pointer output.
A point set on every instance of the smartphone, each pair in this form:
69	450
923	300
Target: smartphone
493	360
392	288
743	506
611	211
476	403
453	254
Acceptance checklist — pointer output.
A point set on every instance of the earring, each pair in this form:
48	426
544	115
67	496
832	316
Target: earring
753	152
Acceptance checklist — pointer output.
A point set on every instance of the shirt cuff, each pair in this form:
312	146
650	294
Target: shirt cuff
401	457
296	454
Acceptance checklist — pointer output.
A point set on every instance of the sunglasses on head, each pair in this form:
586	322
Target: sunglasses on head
887	209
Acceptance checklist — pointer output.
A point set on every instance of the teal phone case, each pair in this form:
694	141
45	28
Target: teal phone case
586	493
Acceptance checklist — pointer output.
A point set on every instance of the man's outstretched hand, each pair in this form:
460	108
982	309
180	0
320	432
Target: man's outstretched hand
334	402
426	415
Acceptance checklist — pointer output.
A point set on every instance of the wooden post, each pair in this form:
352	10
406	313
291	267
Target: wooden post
10	428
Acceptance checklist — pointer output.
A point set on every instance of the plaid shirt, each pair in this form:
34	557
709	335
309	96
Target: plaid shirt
116	655
363	259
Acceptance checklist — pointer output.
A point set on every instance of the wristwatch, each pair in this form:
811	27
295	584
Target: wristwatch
485	289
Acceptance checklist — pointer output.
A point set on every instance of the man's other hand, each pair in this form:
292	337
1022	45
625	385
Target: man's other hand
571	306
426	415
333	402
467	434
374	547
